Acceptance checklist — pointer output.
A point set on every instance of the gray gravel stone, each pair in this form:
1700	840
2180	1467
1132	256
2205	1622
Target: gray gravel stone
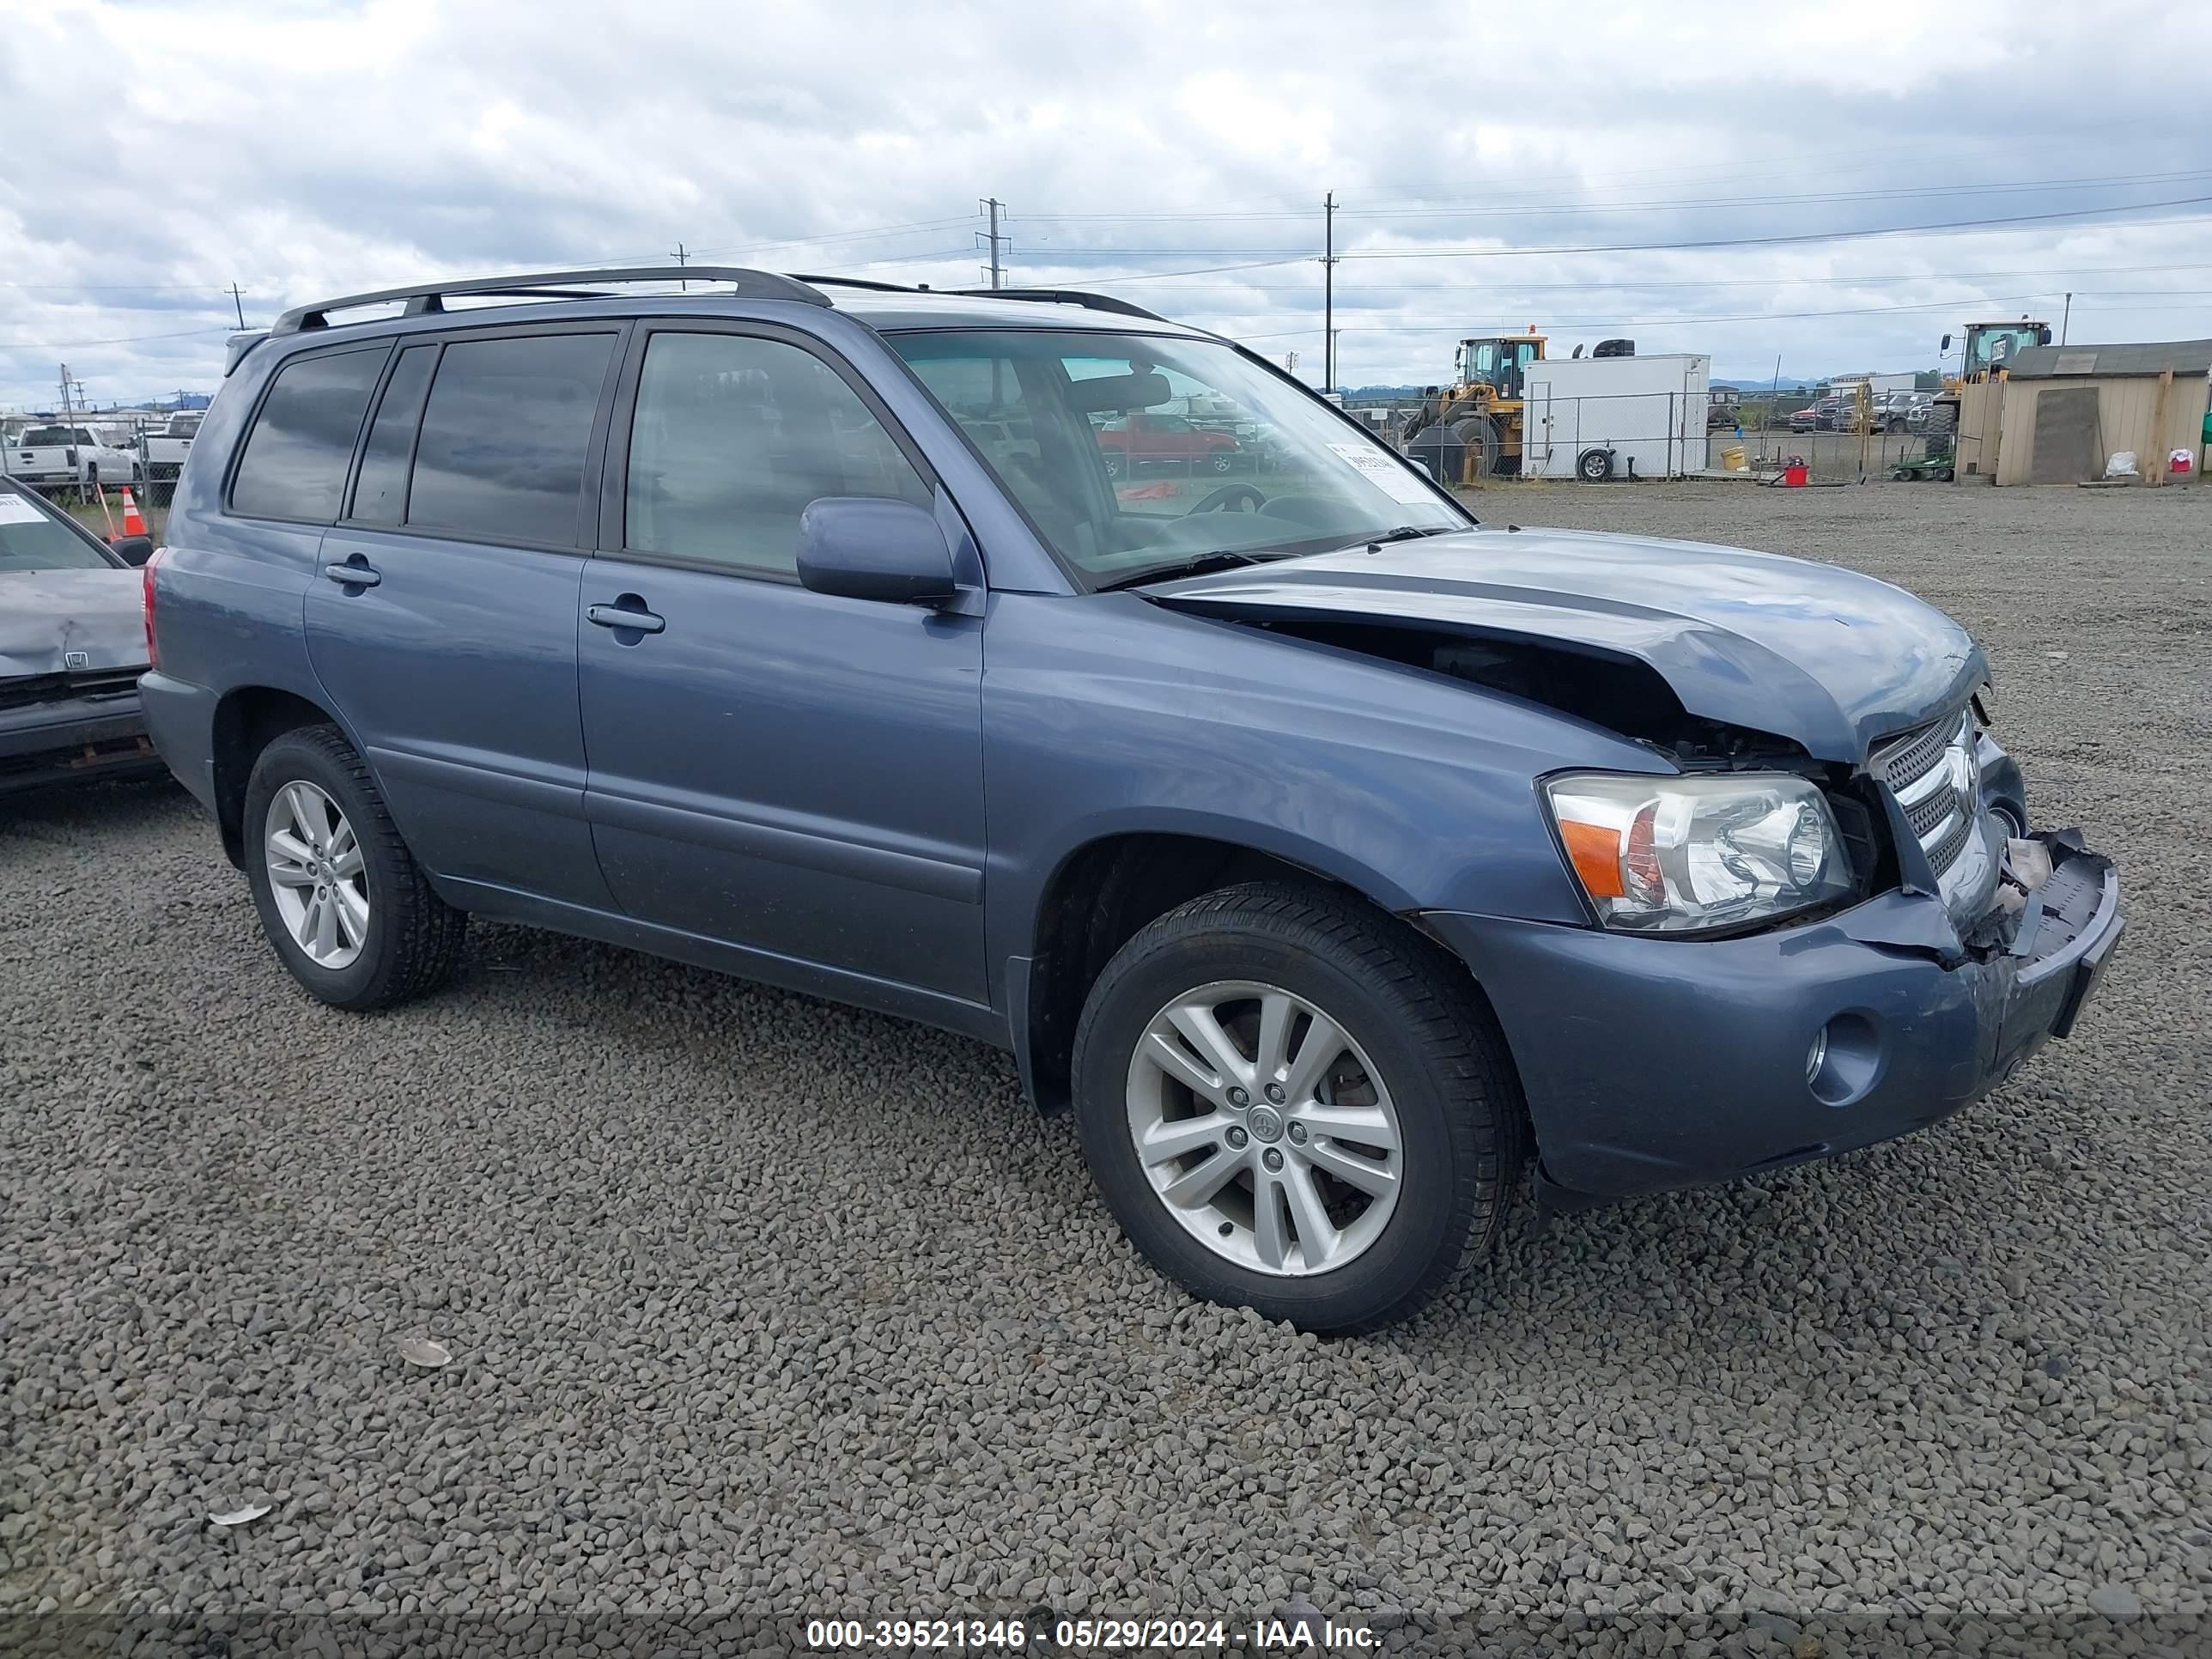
2116	1602
766	1307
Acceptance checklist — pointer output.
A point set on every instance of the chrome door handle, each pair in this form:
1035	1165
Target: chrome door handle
639	621
352	574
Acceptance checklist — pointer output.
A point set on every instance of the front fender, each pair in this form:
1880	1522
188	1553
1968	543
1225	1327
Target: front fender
1107	715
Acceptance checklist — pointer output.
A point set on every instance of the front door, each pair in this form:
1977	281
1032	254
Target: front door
793	773
442	617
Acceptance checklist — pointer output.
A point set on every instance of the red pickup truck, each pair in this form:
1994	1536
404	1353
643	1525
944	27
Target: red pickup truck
1139	439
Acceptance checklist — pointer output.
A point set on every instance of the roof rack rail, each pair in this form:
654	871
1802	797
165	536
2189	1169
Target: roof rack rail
428	297
1065	296
868	283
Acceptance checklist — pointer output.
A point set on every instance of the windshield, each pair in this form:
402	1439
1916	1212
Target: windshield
31	540
1132	453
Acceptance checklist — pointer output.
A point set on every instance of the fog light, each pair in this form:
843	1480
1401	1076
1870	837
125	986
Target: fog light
1817	1055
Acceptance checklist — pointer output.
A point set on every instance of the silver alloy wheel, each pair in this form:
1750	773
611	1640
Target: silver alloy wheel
1264	1130
316	874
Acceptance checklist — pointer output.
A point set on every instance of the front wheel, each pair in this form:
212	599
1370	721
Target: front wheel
1292	1104
343	901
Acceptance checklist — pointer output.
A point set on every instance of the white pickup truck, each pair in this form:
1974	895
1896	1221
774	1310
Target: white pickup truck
163	452
52	455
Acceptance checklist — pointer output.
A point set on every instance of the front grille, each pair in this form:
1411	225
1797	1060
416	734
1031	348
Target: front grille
1932	773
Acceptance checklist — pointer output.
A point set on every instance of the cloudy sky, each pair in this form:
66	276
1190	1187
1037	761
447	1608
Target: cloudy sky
1676	174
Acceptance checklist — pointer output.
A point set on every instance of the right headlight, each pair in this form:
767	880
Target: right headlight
1683	855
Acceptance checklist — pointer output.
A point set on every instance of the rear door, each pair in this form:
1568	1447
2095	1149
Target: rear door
443	618
797	775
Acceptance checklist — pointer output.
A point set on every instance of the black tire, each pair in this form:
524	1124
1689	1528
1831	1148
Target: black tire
1421	1025
1484	444
1594	465
414	937
1221	461
1939	437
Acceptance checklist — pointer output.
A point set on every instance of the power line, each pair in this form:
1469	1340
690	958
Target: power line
1443	208
127	339
1626	283
1808	236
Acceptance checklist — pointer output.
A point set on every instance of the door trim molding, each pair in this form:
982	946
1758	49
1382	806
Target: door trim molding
882	867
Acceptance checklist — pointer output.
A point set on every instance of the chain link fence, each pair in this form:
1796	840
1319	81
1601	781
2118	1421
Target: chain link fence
1641	435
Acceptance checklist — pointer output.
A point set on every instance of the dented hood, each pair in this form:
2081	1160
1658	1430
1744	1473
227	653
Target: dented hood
1811	652
47	614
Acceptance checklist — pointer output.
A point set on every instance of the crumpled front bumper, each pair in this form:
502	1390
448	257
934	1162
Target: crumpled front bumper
1651	1064
69	739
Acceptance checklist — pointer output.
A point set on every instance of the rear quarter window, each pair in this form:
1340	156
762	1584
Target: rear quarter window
295	462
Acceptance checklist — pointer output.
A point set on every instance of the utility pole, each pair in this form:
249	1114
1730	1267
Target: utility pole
1328	293
682	257
994	206
238	301
2066	318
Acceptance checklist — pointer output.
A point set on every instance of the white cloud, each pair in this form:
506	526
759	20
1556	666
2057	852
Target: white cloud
156	153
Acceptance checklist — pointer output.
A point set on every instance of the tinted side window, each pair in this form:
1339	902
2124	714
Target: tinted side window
734	436
505	435
295	463
379	493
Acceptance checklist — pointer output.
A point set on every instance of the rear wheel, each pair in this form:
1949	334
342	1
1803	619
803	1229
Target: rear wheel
1289	1104
343	901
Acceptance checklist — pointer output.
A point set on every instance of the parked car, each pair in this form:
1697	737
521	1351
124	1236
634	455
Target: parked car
1902	411
72	646
1330	854
1818	417
162	453
1137	439
1723	408
62	455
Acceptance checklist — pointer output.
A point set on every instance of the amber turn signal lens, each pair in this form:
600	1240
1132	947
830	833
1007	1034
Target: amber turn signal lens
1595	851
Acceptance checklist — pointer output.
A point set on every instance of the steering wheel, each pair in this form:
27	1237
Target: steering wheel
1218	500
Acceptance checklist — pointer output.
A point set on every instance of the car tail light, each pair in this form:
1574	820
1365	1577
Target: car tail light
146	598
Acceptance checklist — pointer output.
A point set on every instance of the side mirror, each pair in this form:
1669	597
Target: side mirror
866	547
1947	343
2043	334
132	549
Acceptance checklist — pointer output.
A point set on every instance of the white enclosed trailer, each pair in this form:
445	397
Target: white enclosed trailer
1599	417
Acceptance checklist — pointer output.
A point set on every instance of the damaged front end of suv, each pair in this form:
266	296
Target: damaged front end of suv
1819	920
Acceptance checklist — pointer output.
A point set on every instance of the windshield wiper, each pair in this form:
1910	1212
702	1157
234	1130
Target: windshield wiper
1404	532
1199	566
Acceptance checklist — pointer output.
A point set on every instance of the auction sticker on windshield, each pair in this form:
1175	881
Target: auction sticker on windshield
1389	476
14	509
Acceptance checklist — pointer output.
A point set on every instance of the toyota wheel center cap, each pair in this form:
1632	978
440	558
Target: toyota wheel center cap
1265	1123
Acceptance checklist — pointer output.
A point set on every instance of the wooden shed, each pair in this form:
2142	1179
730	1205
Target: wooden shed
2068	409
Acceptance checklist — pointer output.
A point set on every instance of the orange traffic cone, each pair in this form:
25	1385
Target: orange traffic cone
134	522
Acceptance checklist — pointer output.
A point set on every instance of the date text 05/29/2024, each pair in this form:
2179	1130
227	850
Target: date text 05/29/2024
1047	1634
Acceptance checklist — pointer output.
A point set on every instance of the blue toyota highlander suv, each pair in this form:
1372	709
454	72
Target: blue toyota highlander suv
1331	855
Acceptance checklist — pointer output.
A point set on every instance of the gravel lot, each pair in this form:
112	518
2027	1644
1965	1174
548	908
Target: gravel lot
763	1306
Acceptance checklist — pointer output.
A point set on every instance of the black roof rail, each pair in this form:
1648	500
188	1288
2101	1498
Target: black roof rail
427	297
1062	296
868	283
